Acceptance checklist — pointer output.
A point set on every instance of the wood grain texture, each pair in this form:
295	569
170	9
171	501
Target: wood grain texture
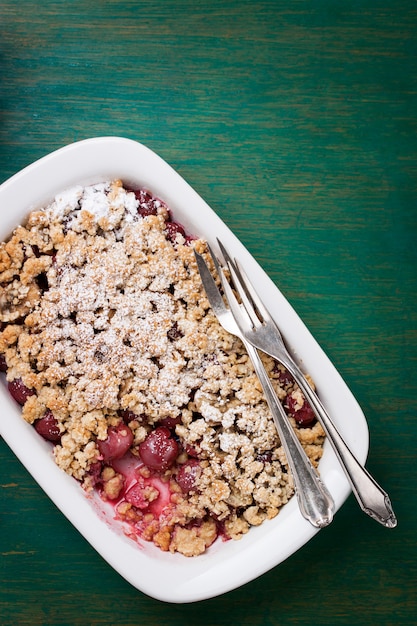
296	121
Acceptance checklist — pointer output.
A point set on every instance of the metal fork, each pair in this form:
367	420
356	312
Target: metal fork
259	328
315	502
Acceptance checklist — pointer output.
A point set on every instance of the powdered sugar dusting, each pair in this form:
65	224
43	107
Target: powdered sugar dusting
95	200
65	202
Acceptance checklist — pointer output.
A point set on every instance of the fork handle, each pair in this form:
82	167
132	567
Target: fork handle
372	499
315	502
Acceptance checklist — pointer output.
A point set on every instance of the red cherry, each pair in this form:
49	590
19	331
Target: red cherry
118	441
19	391
136	495
159	450
188	475
94	472
128	416
147	204
170	422
191	450
304	416
172	229
3	364
48	427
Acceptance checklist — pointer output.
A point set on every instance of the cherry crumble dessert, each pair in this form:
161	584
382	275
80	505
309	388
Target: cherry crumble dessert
110	346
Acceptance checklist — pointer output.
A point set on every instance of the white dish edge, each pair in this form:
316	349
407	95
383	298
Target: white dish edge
174	578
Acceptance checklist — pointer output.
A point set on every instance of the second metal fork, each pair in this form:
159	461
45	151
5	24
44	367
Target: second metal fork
316	503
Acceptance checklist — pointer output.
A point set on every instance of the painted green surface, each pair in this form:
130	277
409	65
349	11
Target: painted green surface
296	121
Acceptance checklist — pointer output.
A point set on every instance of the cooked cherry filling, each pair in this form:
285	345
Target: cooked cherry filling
110	347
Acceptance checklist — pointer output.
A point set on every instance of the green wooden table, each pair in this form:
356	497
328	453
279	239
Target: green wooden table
296	121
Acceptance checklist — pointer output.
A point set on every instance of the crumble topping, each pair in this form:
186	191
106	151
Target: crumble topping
109	342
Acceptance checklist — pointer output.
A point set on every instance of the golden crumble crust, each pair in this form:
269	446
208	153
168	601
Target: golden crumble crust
102	313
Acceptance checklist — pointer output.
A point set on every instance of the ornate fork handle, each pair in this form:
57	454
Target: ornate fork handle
315	502
373	500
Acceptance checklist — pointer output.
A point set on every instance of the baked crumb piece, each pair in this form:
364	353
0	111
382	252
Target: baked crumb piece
195	540
112	349
113	483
